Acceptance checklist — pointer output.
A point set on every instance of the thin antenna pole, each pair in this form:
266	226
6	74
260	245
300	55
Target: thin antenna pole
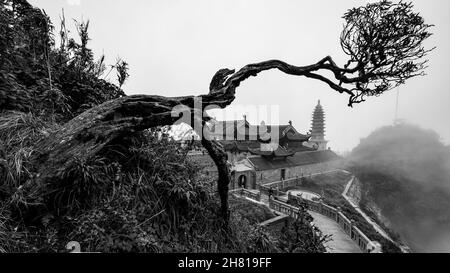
396	105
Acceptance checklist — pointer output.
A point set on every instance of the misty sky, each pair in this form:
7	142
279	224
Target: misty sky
175	47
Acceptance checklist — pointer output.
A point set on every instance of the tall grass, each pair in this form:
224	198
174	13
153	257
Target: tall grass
18	134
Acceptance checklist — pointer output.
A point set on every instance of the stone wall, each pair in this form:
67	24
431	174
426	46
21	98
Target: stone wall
268	176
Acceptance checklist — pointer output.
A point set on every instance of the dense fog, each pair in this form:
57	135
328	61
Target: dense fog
405	170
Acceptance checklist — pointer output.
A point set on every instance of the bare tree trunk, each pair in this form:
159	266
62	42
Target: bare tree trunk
220	159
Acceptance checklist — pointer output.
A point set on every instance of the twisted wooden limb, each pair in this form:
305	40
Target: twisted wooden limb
89	133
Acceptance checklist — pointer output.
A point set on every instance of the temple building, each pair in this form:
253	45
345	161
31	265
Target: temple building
260	154
282	168
288	155
242	140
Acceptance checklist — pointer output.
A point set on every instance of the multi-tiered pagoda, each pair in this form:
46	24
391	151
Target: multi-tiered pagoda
317	139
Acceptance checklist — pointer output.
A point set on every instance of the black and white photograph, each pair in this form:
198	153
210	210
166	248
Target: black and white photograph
247	127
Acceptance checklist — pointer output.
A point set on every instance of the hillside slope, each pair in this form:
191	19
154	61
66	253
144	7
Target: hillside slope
405	174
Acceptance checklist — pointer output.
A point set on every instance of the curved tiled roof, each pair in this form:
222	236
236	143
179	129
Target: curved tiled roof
253	146
288	132
299	147
242	130
298	159
279	152
297	137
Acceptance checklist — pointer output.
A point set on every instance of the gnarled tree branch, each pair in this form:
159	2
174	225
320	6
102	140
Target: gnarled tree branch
380	52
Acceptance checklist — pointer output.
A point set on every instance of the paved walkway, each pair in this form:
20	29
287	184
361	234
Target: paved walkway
340	242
